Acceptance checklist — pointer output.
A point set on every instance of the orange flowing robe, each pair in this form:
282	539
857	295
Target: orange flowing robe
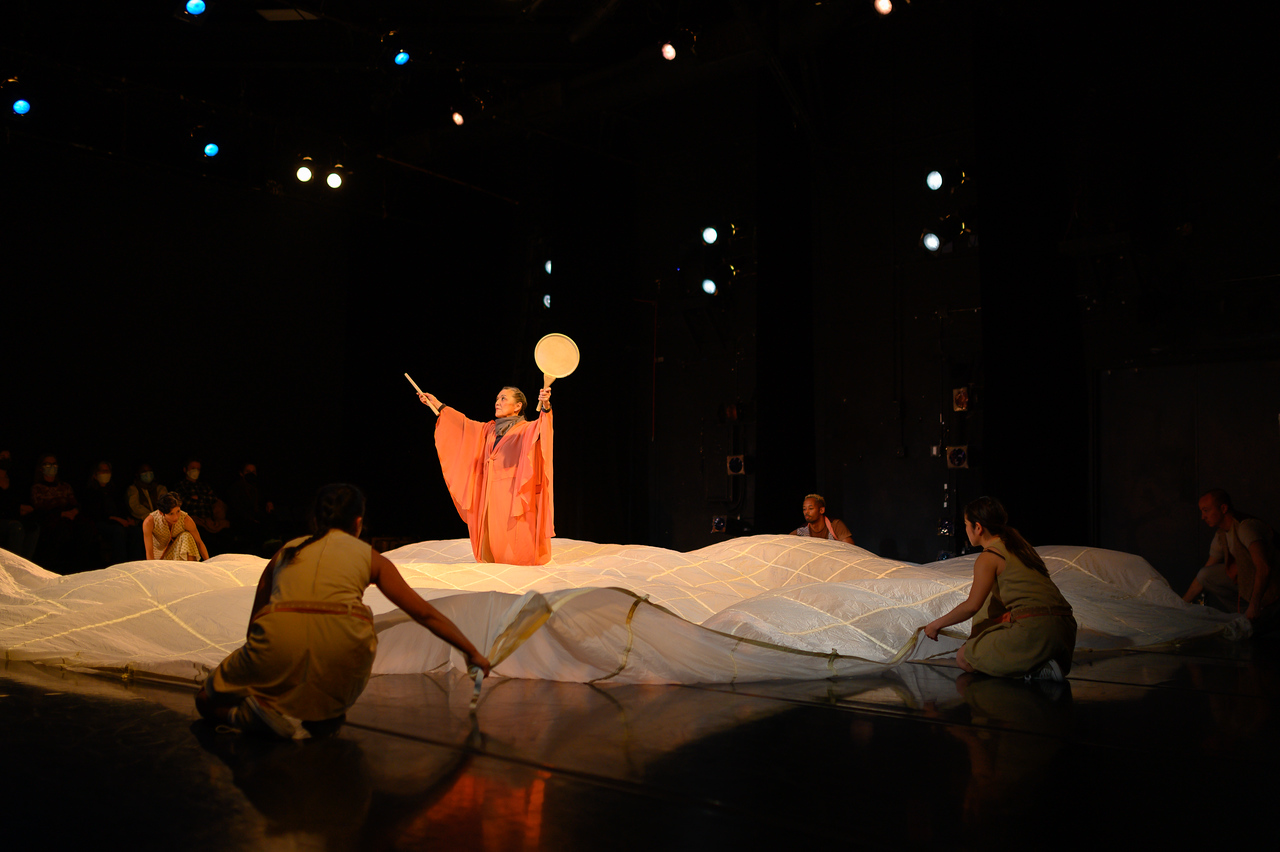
503	493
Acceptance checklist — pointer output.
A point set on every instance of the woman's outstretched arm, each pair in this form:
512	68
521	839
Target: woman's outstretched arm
388	579
984	579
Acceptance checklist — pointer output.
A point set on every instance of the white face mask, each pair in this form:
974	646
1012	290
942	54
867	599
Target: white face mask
193	475
146	476
103	478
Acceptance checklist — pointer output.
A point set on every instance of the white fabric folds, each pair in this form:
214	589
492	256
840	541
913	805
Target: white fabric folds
749	609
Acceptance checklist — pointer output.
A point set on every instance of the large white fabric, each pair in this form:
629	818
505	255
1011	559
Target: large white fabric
757	608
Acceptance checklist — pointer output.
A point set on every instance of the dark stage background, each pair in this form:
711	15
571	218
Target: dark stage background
1113	312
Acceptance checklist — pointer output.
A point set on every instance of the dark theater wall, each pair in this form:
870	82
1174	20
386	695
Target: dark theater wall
1120	195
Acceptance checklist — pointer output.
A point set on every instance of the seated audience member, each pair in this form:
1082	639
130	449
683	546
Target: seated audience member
18	530
252	518
145	493
1239	575
169	533
105	507
199	501
310	644
1022	625
818	525
65	538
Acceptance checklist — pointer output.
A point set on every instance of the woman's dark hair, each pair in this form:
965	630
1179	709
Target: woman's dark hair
337	507
168	502
989	512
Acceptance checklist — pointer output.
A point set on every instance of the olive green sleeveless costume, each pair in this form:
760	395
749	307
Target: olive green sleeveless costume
310	650
1020	645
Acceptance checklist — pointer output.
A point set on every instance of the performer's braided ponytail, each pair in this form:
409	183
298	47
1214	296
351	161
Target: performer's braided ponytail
989	512
337	506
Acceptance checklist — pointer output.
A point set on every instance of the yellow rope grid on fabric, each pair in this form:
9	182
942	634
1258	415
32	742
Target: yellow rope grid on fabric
537	611
631	635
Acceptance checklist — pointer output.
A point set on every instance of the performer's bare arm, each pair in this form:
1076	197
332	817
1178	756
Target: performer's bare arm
148	526
387	577
1261	573
195	533
984	578
262	596
1194	590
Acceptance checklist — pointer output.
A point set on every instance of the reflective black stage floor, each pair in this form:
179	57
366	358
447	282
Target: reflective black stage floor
1170	747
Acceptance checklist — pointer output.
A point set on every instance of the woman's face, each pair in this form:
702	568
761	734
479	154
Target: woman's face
173	516
506	405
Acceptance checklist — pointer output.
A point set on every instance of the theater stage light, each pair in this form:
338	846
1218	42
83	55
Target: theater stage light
304	172
709	286
401	58
211	150
21	107
709	236
195	7
884	7
933	180
930	241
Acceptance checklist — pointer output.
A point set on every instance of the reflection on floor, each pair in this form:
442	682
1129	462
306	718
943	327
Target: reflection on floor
1142	747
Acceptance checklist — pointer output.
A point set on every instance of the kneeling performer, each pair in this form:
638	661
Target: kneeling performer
310	644
1022	625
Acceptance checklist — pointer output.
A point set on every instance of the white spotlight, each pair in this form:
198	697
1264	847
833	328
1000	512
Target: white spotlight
668	51
708	286
933	180
334	180
930	241
547	266
546	301
304	172
709	235
458	119
884	7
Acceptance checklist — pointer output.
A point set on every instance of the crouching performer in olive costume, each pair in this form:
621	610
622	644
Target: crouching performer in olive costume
1022	625
310	644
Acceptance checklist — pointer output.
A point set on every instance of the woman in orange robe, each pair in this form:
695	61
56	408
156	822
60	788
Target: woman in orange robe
499	475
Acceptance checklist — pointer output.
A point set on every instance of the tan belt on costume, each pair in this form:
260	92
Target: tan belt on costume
357	610
1033	611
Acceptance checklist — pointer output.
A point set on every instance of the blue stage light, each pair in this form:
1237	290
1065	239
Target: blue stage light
211	150
402	58
195	7
21	107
